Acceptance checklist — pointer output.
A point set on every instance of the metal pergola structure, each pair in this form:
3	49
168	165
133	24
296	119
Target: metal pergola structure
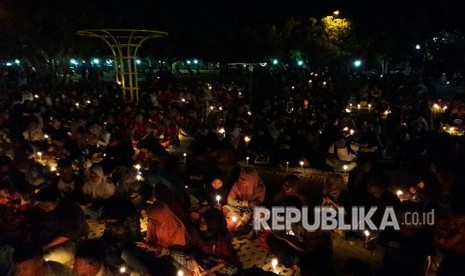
124	44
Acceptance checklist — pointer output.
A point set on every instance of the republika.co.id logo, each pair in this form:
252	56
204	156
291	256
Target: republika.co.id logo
281	218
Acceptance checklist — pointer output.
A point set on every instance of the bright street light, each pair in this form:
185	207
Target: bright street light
16	61
300	62
188	62
73	61
275	61
96	61
196	61
418	47
138	61
357	63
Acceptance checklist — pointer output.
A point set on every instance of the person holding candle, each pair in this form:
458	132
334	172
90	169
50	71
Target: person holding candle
216	188
342	153
211	246
247	192
166	234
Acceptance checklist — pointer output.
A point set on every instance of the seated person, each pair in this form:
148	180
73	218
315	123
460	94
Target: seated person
310	250
211	193
165	232
211	246
89	259
291	187
61	224
97	186
69	184
122	226
28	261
334	192
247	192
342	156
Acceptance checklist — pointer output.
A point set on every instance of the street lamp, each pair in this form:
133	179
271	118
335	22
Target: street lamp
418	47
275	61
300	62
250	68
357	63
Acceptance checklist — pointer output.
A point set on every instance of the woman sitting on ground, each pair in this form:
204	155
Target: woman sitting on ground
247	192
165	232
211	246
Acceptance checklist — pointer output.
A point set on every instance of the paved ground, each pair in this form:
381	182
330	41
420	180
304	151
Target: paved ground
251	253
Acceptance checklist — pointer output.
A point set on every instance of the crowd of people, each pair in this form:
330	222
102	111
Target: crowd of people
186	160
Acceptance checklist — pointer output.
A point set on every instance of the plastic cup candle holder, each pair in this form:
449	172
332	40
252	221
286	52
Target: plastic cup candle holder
218	198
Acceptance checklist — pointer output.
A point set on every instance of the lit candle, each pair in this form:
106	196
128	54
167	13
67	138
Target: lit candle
274	263
53	169
250	113
351	131
220	108
122	269
345	129
46	136
369	106
345	168
185	158
180	273
218	198
399	194
247	159
347	110
358	106
40	155
183	100
302	165
234	218
247	140
137	166
138	177
367	235
287	166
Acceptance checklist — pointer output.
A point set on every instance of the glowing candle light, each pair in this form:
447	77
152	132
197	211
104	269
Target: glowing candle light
218	198
185	158
287	166
302	165
40	155
138	177
347	110
180	273
137	166
274	263
345	168
247	140
247	160
46	136
345	129
220	108
53	169
183	100
234	218
399	193
369	106
250	113
351	131
367	235
122	269
358	106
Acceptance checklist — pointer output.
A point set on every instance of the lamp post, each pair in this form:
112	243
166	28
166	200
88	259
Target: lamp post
250	69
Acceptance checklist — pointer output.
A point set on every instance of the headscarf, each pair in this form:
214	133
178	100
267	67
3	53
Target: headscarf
102	188
170	231
252	189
